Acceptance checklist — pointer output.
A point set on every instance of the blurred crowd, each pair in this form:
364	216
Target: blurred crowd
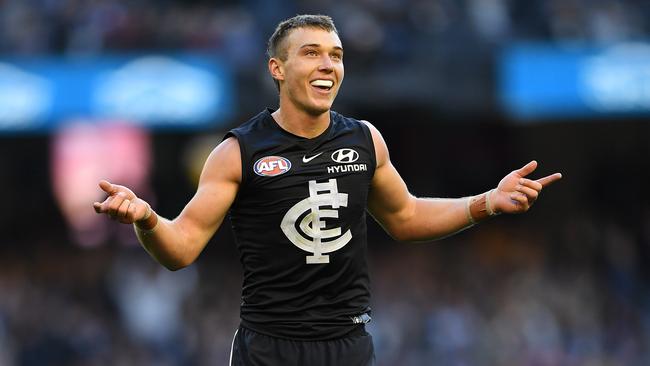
567	294
415	49
563	289
381	27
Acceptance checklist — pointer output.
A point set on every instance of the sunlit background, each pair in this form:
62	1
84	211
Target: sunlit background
140	91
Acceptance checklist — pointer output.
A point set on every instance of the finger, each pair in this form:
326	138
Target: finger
107	187
527	169
550	179
102	207
123	209
531	184
529	192
520	200
115	203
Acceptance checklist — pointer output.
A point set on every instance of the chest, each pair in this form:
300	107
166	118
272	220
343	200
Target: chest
284	172
348	162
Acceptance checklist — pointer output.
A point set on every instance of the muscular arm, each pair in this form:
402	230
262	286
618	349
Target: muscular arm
409	218
177	243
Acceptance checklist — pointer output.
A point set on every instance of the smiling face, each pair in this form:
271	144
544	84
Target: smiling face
312	71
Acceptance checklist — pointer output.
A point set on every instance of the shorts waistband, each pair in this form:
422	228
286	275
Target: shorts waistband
356	331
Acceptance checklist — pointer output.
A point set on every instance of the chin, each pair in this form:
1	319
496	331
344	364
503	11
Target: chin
317	110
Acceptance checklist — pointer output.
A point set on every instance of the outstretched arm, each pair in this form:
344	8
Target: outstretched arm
409	218
177	243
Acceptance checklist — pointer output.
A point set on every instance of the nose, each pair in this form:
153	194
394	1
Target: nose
326	64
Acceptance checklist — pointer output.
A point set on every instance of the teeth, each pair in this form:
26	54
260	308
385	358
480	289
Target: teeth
323	83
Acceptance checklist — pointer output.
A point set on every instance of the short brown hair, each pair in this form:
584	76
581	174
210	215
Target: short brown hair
274	46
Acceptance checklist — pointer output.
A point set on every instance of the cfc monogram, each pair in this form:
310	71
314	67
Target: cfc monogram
313	225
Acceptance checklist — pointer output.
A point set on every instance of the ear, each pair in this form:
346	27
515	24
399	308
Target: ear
276	68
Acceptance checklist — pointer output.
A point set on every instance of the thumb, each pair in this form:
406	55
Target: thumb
527	169
107	187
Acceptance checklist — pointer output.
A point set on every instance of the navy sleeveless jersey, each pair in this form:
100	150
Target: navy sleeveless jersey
300	226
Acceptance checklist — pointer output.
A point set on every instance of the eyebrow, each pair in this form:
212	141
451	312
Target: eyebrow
316	45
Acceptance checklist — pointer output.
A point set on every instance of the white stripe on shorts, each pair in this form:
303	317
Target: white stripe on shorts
232	345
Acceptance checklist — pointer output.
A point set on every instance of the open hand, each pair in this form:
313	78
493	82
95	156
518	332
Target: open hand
516	193
122	204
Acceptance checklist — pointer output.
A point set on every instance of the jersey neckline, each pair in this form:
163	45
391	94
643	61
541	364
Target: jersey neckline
303	140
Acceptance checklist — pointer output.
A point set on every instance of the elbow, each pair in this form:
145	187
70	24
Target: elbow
171	260
405	238
397	229
174	265
398	233
400	224
405	234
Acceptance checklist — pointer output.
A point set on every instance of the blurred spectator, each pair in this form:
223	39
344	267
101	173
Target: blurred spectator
84	153
570	288
58	309
150	300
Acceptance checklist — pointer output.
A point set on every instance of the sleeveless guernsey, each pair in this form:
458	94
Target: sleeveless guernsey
299	221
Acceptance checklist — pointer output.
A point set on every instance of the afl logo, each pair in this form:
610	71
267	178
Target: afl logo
345	156
270	166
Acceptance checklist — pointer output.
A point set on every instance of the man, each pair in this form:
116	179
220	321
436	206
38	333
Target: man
297	182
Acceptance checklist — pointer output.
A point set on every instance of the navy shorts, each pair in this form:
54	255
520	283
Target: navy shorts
250	348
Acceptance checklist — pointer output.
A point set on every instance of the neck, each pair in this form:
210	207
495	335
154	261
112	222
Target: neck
299	122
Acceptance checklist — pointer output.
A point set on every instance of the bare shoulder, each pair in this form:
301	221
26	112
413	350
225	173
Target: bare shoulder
229	146
381	150
224	162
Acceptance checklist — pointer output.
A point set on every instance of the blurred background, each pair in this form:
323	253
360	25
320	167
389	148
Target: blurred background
140	91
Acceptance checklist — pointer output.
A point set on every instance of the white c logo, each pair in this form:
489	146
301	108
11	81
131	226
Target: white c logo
312	224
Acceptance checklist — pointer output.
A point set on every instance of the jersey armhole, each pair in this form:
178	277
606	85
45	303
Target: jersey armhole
243	156
371	142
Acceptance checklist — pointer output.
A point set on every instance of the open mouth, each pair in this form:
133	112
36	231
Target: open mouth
324	85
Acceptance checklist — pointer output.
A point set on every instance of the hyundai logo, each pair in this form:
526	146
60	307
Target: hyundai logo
345	156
